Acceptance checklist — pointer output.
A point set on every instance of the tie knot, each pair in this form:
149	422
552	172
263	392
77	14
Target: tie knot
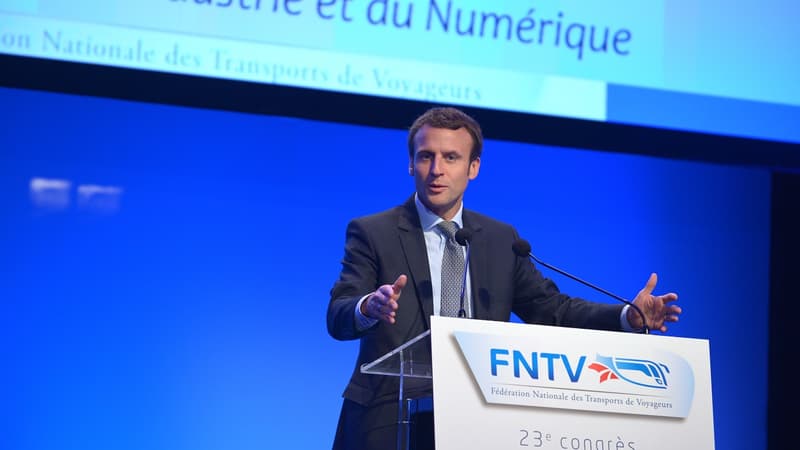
449	228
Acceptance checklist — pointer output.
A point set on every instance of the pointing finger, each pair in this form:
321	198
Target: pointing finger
399	284
650	285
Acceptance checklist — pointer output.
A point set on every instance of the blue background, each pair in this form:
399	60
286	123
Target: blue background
193	317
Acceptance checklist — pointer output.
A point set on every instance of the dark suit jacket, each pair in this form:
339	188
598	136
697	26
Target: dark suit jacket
381	247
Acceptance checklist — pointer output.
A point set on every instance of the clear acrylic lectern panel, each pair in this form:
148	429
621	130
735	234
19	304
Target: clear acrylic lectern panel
412	363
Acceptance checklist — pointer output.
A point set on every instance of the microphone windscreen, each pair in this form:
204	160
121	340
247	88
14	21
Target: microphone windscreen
521	247
463	236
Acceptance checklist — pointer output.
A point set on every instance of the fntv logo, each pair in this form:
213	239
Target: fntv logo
640	372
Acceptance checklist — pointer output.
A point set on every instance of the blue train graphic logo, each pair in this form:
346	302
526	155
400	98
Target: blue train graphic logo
640	372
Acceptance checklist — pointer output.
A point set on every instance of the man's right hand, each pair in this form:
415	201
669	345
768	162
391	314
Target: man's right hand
382	304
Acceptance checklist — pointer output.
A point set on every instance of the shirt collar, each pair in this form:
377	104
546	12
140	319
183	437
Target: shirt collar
429	220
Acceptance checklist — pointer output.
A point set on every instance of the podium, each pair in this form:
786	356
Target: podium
506	385
412	363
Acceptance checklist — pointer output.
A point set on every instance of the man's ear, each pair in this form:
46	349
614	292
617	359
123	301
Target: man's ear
411	170
474	168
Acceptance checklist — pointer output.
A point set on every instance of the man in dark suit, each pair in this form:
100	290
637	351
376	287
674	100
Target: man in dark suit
392	276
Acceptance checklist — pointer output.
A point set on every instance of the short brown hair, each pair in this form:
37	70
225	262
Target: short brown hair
451	119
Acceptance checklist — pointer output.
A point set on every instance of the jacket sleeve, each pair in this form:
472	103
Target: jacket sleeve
357	278
537	299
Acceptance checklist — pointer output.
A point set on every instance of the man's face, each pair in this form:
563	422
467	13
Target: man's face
442	169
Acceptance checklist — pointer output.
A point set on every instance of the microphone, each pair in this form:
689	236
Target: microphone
522	248
463	236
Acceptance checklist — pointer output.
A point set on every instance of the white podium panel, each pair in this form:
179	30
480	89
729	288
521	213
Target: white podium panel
504	386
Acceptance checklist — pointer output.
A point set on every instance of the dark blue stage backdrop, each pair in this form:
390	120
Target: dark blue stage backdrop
165	270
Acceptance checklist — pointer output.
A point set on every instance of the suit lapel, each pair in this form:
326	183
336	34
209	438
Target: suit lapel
478	264
412	241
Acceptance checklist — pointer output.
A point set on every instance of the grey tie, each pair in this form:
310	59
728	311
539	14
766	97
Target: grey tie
452	271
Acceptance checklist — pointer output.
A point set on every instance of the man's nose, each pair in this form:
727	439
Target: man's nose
436	166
